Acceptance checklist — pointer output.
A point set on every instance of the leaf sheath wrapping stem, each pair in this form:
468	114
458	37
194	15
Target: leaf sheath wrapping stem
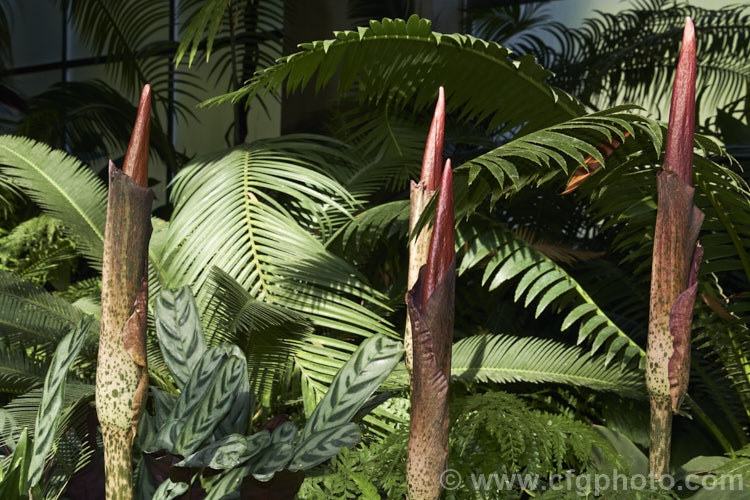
121	375
432	327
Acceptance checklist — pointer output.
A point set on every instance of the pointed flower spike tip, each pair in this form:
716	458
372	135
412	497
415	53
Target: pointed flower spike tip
442	243
136	158
681	130
433	151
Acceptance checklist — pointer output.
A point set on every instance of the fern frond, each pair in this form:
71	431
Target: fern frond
266	333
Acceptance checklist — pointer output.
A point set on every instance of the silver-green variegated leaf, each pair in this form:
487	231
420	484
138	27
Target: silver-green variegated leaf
544	282
509	359
271	460
168	490
322	445
355	382
178	327
206	399
228	452
284	433
50	409
228	483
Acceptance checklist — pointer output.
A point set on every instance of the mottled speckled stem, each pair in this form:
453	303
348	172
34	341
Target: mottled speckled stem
117	463
121	372
660	437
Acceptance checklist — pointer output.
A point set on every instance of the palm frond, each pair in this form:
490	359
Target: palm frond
504	359
93	118
545	282
64	188
385	221
630	56
482	80
229	214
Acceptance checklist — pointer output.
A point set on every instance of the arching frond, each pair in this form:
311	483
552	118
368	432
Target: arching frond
544	282
64	187
481	79
386	221
543	155
229	214
504	358
31	315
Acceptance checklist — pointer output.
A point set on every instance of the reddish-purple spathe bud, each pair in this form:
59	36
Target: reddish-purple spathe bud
679	155
433	151
442	243
136	158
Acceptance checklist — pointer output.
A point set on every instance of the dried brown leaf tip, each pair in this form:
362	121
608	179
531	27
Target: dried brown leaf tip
136	158
591	164
442	243
433	151
679	155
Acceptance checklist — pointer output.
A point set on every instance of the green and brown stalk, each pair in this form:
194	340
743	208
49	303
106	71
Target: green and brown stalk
121	373
420	194
431	308
676	258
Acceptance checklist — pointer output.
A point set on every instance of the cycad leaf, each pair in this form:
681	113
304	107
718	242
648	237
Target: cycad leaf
507	359
481	79
50	409
63	187
542	280
227	216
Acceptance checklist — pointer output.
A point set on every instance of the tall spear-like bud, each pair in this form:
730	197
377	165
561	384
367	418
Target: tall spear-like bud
433	151
676	258
121	373
442	244
420	195
431	305
135	164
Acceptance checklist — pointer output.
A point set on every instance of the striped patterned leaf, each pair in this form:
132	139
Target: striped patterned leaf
273	459
206	399
50	409
323	445
228	483
355	382
178	327
169	490
228	452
